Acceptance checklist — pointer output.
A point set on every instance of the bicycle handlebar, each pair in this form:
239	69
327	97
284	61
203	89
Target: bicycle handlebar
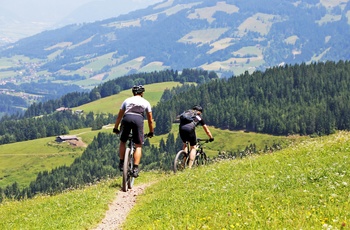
203	140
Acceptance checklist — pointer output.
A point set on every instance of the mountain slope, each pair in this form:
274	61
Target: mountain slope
229	37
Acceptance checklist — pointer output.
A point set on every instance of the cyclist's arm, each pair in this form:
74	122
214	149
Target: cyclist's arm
150	122
207	131
119	118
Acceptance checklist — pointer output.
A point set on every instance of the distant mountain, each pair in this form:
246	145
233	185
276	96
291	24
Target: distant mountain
103	9
229	37
19	19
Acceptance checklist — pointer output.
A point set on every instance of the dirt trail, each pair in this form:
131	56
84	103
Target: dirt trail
120	207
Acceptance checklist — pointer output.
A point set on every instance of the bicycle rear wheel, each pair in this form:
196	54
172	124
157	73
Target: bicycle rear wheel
180	161
128	180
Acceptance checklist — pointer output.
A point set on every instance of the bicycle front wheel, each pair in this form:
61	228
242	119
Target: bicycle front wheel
180	161
202	159
128	180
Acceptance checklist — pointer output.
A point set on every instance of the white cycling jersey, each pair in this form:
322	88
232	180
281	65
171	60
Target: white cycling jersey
136	105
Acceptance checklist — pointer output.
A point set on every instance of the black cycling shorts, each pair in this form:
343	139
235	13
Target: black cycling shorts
188	133
134	123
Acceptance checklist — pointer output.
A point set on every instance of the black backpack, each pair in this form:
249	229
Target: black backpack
188	116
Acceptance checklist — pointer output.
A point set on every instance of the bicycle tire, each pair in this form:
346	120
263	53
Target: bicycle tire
180	161
131	167
128	180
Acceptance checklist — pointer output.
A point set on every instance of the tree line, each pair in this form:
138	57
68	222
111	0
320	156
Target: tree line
58	123
292	99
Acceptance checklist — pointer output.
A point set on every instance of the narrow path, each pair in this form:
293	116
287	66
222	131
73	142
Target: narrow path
120	207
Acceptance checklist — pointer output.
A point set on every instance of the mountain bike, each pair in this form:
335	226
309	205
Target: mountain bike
182	158
128	179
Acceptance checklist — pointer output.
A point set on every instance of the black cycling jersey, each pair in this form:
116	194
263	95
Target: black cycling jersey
188	132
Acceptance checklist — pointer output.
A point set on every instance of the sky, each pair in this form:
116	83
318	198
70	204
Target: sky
22	18
56	10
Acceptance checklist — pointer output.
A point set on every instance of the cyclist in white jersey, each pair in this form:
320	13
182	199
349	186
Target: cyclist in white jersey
131	117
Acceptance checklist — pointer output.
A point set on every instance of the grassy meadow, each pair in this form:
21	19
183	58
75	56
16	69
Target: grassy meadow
112	103
304	186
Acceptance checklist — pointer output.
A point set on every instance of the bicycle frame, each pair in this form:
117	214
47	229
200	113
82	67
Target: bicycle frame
182	158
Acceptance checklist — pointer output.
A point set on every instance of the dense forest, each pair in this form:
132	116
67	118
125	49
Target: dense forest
292	99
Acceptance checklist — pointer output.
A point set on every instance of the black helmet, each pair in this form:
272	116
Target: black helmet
198	108
138	89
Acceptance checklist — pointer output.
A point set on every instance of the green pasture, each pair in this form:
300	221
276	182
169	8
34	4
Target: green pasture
155	66
112	103
21	162
101	61
304	186
7	74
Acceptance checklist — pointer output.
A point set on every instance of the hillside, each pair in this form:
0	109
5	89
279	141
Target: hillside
229	37
301	187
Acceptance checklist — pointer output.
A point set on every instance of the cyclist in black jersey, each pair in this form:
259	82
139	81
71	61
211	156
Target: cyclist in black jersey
188	132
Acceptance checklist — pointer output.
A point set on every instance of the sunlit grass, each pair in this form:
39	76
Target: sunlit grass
79	209
112	103
21	162
305	186
76	209
302	187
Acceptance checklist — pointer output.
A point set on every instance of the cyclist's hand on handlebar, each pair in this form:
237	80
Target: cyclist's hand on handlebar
211	139
150	134
116	131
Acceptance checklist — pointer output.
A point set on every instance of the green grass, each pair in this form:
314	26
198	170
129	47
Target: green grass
76	209
22	161
232	141
304	186
112	103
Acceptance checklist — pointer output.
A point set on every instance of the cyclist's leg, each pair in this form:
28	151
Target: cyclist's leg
122	148
124	135
137	130
193	142
137	154
192	155
185	135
